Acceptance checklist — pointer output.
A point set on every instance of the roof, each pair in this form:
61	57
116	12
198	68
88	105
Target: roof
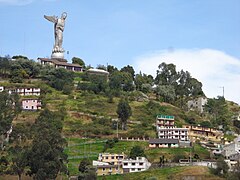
173	129
163	141
165	117
97	71
60	63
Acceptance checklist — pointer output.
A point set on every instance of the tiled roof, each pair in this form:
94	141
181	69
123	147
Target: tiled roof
163	141
60	63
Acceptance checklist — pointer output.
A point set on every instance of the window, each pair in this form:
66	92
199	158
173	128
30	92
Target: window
32	107
26	107
139	169
106	157
103	169
133	169
112	157
140	164
125	164
133	164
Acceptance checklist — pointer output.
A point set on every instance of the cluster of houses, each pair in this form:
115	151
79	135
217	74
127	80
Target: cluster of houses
108	164
27	103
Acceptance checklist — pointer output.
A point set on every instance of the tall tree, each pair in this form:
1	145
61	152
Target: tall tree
166	74
9	109
128	69
46	156
124	112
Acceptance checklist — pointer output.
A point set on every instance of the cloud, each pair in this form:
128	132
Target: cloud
16	2
213	68
20	2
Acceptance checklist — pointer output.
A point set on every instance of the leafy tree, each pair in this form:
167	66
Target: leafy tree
111	69
217	108
19	160
194	87
87	172
206	124
137	151
9	109
100	66
143	82
5	67
167	92
222	167
46	156
121	81
76	60
128	69
20	57
124	112
59	77
166	74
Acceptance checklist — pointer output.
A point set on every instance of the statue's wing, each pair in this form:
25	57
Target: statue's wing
51	18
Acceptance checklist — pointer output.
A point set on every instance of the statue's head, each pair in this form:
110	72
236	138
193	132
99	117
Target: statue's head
64	15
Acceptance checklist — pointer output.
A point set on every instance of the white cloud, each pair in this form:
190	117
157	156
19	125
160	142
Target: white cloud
21	2
213	68
16	2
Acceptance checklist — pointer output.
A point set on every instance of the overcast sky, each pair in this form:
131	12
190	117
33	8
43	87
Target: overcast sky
200	36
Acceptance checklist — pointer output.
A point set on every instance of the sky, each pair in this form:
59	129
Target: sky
199	36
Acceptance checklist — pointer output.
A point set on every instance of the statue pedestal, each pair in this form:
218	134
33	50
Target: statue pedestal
57	55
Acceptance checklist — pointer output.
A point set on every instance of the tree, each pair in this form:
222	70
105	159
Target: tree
46	156
76	60
222	167
137	151
9	109
121	81
87	172
19	160
128	69
111	69
167	92
166	74
124	112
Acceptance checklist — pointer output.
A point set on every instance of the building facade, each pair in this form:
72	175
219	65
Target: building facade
197	104
31	104
135	165
114	159
196	132
163	143
61	64
103	170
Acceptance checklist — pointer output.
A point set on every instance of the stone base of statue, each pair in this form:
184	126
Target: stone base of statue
57	55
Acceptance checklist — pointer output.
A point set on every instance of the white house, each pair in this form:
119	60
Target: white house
28	91
135	165
197	104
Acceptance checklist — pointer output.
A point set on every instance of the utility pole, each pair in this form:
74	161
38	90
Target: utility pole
222	89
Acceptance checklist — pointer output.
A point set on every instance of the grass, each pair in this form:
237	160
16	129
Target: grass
173	173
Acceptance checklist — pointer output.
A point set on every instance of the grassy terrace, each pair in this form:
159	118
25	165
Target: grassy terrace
90	148
174	173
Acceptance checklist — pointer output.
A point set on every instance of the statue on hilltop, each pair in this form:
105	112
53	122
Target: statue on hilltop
59	23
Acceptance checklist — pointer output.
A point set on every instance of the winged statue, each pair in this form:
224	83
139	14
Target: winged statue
59	24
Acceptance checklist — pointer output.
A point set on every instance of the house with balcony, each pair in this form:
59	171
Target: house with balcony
31	104
166	129
135	165
108	164
28	91
198	132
